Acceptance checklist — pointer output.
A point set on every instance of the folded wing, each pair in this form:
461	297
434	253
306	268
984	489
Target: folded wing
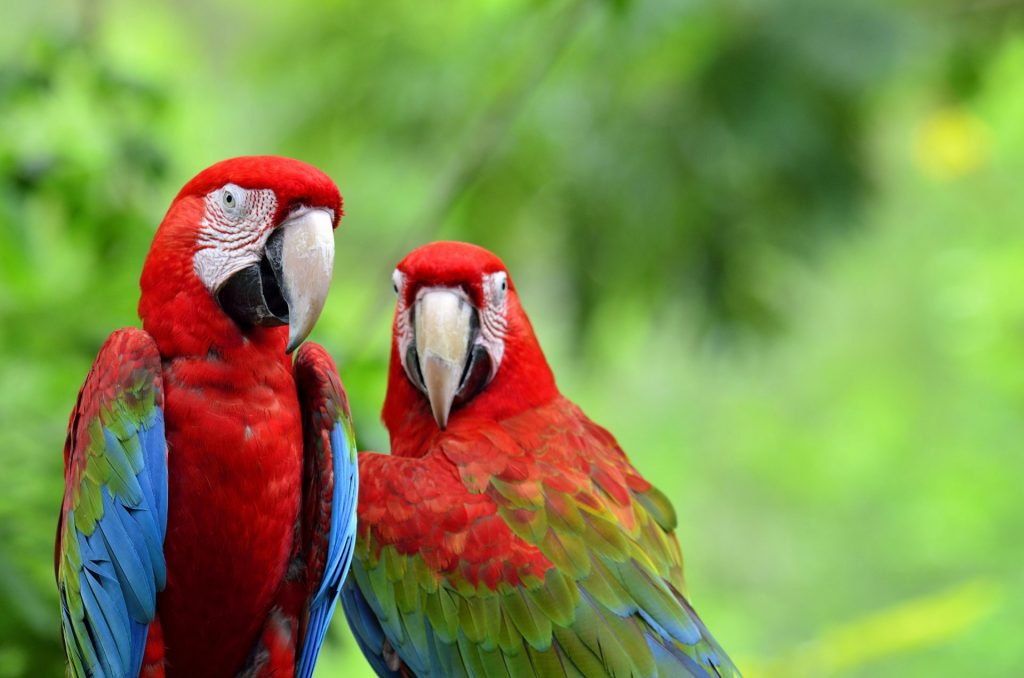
542	552
330	490
109	552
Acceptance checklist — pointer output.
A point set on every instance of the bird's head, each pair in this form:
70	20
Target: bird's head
246	248
462	343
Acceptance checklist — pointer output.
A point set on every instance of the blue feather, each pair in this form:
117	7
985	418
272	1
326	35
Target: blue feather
365	627
101	635
154	445
339	552
674	657
105	586
118	566
136	581
152	530
116	457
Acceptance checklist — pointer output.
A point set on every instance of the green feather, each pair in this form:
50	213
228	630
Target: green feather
393	563
654	598
374	580
75	667
582	657
490	608
519	494
471	621
122	481
90	506
531	623
425	577
563	512
529	525
607	590
554	599
544	663
416	632
442	626
493	663
407	594
659	507
450	609
601	633
568	553
470	656
508	636
583	618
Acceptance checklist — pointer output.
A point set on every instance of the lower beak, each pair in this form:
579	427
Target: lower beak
289	286
443	327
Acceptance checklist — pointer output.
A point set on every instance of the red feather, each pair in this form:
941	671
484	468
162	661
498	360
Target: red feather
520	489
235	439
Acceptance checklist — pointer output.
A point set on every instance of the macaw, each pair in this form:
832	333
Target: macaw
209	507
506	534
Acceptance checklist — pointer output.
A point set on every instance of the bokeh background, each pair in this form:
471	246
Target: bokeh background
775	246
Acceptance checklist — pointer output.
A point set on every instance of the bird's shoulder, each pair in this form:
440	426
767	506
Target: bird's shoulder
124	386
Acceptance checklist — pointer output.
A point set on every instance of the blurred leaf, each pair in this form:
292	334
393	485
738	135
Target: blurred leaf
914	625
834	180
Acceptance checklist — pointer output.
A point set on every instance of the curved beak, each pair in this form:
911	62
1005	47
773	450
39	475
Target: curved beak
303	262
443	329
289	285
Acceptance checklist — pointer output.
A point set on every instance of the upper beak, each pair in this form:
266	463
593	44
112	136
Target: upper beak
303	261
443	328
289	286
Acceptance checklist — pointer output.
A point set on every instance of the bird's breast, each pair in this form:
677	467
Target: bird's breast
234	461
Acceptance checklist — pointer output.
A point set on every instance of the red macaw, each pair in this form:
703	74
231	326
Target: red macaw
506	534
209	511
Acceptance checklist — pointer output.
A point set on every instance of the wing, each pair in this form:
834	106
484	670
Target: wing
330	489
556	559
109	552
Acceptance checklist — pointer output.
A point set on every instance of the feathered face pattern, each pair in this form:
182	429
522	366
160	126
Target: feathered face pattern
451	335
258	234
233	232
459	331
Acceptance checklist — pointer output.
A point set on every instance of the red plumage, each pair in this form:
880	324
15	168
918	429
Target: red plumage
531	383
438	503
235	442
506	533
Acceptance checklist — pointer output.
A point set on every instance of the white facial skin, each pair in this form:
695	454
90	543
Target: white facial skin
233	235
493	317
233	232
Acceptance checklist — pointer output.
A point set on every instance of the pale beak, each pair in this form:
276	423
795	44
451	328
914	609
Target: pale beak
303	261
443	327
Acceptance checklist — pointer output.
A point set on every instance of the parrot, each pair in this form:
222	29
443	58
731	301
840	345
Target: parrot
208	516
506	535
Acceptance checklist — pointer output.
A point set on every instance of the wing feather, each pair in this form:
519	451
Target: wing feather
109	554
564	564
330	490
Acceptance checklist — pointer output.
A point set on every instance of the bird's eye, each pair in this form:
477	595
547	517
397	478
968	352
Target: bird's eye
396	279
231	199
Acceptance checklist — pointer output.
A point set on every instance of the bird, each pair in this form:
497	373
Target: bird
506	534
208	515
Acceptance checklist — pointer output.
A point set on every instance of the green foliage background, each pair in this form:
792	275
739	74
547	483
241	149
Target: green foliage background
775	246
